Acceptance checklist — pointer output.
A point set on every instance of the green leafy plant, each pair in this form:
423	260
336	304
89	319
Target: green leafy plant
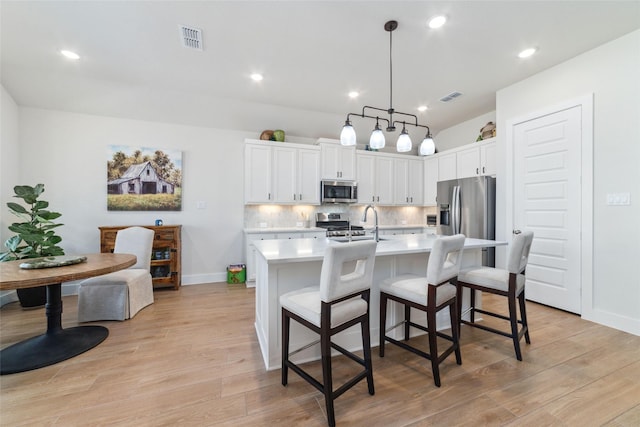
35	236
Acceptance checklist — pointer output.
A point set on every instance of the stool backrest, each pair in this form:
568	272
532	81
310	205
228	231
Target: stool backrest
335	282
137	241
519	253
445	259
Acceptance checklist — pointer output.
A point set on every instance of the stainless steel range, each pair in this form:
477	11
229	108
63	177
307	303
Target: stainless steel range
337	225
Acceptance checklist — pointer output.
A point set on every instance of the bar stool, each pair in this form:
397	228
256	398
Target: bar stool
429	294
341	301
508	283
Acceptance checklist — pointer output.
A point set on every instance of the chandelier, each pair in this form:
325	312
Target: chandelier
377	140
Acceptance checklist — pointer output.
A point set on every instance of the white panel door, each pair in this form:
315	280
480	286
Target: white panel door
547	201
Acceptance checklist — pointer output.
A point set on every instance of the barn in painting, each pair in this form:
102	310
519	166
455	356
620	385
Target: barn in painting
140	179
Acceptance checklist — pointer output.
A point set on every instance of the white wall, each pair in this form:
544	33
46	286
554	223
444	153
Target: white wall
68	153
611	73
9	157
463	133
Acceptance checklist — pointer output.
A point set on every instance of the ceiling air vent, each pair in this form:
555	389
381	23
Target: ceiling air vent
191	37
450	97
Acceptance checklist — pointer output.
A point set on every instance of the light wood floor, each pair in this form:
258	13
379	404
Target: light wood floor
192	359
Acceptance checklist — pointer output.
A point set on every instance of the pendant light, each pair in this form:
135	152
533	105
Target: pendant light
404	141
377	139
348	135
427	146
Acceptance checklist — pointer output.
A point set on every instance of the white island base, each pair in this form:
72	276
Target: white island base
287	265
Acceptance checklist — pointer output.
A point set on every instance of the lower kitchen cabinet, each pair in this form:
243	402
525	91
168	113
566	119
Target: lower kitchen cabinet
166	254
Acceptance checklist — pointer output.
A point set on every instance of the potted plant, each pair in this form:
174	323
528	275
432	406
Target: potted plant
34	237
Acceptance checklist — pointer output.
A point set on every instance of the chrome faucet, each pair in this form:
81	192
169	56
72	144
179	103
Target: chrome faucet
375	213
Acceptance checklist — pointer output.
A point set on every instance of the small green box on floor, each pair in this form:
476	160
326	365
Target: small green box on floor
236	273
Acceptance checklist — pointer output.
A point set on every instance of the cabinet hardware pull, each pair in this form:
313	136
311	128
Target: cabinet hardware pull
477	171
483	169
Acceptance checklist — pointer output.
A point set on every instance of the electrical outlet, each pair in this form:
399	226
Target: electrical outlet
201	204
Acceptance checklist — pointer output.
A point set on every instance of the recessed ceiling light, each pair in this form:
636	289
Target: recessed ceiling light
69	54
353	94
256	77
437	21
422	108
527	52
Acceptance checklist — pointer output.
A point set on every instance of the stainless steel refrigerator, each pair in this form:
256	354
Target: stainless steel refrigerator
468	206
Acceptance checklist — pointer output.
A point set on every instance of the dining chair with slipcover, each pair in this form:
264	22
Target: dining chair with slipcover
122	294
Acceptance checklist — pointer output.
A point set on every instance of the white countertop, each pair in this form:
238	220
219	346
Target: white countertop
281	251
258	230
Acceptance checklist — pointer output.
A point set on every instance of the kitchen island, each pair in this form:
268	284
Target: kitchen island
286	265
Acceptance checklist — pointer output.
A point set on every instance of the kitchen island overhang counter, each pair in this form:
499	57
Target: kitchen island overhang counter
290	264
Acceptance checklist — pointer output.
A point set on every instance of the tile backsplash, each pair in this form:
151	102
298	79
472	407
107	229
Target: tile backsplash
257	216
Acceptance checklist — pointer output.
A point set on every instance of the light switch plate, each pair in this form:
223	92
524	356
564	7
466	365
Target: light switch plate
618	199
201	204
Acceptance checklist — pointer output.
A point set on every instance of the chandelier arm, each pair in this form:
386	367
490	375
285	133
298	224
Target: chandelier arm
369	117
412	124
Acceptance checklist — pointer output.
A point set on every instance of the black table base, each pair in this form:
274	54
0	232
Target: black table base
55	345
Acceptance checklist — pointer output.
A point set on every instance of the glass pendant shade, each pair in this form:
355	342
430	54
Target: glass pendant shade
348	135
427	147
404	142
377	140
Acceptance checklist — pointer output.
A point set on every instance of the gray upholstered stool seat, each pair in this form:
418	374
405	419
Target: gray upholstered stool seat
341	301
430	294
121	294
509	282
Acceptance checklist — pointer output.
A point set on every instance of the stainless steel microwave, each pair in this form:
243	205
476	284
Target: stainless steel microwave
338	191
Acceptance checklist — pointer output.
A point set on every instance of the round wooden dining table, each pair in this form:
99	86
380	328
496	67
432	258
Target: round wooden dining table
56	344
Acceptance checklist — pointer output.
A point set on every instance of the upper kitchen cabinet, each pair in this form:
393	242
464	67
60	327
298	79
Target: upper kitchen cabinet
430	181
478	159
375	178
338	162
408	182
281	173
447	166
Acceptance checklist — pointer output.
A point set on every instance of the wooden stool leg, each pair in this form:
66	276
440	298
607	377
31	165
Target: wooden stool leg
286	323
455	333
325	349
472	300
433	344
407	320
513	318
366	350
523	316
383	322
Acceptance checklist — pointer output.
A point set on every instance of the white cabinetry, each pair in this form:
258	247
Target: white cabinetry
375	178
338	162
257	174
479	159
281	173
408	181
308	176
430	181
251	252
447	167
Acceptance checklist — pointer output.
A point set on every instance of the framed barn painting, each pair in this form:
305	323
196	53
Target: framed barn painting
143	179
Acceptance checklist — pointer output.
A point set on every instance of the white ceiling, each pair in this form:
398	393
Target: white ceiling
312	53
